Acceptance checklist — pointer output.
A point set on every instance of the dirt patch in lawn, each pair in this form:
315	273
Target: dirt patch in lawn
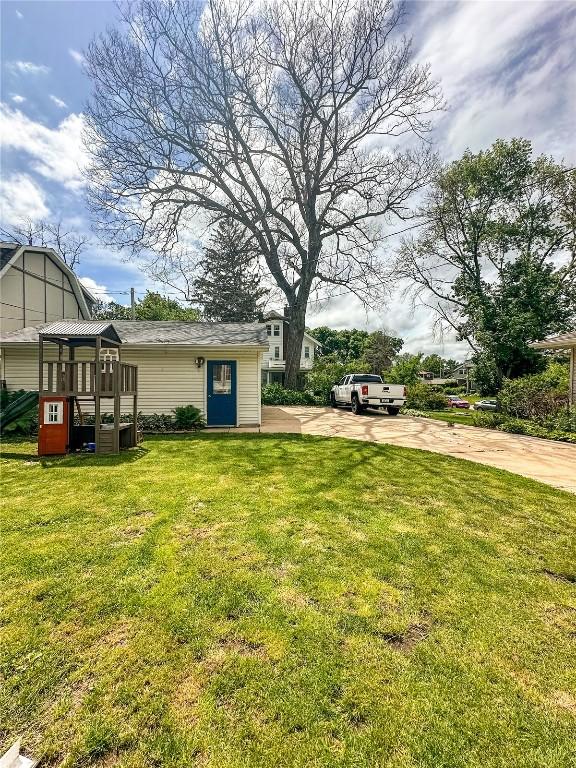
406	640
567	578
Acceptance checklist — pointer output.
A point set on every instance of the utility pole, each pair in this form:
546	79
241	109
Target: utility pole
132	304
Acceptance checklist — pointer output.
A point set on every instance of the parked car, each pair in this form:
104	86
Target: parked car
486	405
456	402
365	390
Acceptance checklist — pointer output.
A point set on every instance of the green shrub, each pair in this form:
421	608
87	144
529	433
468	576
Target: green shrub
488	419
188	417
412	412
275	394
325	372
423	397
551	431
538	396
150	423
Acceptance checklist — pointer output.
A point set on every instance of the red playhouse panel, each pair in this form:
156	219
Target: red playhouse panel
53	426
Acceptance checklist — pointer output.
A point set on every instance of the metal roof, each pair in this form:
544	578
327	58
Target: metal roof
77	328
152	332
561	341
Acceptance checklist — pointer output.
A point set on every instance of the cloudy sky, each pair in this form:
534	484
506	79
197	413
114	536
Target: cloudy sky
507	68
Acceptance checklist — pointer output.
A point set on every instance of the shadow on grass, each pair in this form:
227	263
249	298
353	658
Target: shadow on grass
79	459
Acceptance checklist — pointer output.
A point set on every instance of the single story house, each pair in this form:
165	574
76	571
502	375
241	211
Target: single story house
213	366
565	341
274	359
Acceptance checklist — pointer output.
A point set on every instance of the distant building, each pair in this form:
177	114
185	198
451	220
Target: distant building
274	359
37	286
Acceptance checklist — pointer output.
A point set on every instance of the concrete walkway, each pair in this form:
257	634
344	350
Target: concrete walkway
544	460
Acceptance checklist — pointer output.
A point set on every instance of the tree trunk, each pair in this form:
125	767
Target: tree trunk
297	323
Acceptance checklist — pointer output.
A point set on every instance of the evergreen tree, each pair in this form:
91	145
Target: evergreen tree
229	289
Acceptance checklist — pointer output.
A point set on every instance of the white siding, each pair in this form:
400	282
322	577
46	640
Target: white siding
278	341
167	376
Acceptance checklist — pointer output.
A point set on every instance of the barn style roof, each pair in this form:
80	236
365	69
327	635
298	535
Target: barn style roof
10	253
151	332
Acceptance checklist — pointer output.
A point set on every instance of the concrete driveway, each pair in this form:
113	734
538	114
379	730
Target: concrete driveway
545	460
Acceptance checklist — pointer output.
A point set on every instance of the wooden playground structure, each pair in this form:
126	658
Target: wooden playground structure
66	383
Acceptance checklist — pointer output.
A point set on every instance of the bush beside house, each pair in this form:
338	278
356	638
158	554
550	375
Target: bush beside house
535	405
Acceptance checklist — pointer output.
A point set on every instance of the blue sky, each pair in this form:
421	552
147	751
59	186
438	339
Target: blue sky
507	68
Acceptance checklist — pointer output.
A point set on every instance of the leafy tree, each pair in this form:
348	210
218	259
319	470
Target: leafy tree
380	350
497	257
152	307
229	289
344	345
326	372
439	366
405	369
302	120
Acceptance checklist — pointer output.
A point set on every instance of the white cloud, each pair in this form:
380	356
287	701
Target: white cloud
77	56
27	68
21	199
99	291
507	69
57	153
19	15
17	98
59	102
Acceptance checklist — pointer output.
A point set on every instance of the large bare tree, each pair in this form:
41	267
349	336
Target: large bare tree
48	234
301	120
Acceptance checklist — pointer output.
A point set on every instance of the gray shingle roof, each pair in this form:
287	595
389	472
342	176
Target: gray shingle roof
145	332
7	250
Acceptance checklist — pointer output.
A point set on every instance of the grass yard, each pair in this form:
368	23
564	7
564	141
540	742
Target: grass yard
233	601
455	415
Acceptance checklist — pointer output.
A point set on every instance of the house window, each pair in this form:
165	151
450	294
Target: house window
53	413
269	330
276	353
307	353
276	330
221	379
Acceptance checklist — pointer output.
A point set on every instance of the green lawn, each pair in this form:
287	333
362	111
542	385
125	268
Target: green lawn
235	601
455	415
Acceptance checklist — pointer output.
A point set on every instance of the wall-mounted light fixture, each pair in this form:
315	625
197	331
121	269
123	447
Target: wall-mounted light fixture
199	362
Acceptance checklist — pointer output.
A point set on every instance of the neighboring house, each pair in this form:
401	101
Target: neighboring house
565	341
214	366
462	374
37	286
274	359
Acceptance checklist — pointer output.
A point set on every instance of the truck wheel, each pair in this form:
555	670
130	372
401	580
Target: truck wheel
393	411
356	407
333	402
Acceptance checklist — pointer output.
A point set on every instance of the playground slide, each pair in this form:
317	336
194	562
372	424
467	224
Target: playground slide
18	408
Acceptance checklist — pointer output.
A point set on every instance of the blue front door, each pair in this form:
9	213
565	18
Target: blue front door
221	405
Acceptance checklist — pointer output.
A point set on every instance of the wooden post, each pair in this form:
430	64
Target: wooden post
134	378
97	378
572	385
116	388
40	364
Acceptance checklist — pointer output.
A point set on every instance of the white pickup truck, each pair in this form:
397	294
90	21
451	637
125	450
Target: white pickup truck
365	390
